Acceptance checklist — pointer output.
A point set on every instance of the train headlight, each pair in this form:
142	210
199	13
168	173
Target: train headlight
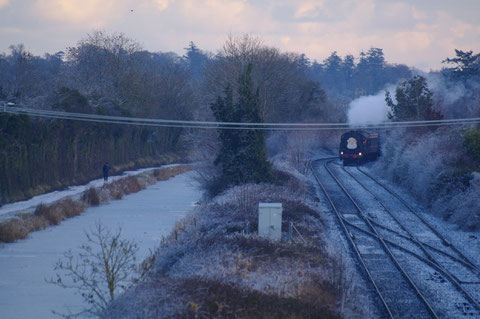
341	153
360	154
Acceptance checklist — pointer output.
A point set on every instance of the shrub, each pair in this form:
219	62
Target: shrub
36	223
70	208
91	197
129	185
436	170
113	190
41	210
163	174
51	213
12	230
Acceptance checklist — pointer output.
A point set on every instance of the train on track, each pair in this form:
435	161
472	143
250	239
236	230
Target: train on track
359	146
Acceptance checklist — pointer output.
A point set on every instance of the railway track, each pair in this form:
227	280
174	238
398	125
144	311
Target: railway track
454	265
414	272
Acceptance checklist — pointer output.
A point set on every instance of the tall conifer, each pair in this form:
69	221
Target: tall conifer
242	156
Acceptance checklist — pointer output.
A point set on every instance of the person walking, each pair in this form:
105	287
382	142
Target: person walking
106	168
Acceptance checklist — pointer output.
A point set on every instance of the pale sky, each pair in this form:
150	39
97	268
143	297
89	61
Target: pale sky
419	33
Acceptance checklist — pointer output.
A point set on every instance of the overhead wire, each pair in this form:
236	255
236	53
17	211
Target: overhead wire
229	125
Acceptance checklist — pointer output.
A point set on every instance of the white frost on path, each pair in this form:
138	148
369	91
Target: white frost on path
145	216
8	209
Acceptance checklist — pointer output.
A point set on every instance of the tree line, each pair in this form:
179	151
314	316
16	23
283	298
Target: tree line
110	74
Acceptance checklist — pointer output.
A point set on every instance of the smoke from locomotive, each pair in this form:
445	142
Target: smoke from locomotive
359	146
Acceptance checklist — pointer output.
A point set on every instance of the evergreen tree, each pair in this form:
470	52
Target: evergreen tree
196	59
467	66
223	110
242	155
369	73
414	101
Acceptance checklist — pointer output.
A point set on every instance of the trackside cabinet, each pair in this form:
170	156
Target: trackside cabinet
270	220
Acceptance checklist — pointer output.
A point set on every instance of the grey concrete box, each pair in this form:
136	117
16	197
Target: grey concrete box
270	220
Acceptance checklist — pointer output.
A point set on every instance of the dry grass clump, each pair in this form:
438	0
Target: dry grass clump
114	191
71	208
55	213
50	213
163	174
12	230
91	197
34	223
129	185
43	216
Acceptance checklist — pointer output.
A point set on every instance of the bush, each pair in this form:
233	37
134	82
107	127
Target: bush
12	230
70	208
129	185
113	190
436	170
91	197
51	213
36	222
163	174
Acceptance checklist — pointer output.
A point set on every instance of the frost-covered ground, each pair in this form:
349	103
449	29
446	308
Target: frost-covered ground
145	216
467	241
214	265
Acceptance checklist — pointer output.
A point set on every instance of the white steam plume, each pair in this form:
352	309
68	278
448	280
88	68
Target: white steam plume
365	110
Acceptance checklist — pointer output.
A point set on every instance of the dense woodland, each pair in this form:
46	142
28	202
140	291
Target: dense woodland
109	74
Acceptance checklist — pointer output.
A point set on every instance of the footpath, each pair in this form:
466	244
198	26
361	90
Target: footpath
27	206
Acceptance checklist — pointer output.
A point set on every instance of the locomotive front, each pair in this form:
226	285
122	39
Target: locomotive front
352	147
358	146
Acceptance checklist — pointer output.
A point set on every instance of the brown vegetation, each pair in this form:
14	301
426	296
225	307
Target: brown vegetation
214	299
162	174
91	197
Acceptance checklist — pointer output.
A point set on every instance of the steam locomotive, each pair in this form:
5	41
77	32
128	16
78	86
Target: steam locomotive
358	146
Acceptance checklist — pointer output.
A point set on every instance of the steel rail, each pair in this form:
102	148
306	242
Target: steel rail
384	245
348	235
398	246
444	240
450	277
408	251
446	254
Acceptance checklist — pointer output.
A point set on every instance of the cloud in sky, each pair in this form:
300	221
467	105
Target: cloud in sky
417	33
85	13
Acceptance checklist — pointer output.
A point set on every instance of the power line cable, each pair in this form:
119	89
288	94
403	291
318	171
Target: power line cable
230	125
137	119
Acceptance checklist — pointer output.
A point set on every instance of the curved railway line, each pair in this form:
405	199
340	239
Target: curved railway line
413	270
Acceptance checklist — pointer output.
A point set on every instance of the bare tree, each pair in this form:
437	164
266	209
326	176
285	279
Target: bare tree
105	266
285	92
300	148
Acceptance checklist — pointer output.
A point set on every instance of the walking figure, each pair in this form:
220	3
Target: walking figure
106	168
